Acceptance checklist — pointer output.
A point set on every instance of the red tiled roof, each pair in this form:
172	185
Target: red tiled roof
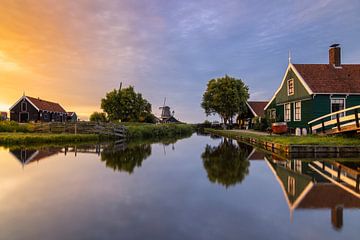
46	105
258	107
325	78
328	196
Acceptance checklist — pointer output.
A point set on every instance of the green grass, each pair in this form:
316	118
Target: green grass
158	130
294	140
11	126
35	138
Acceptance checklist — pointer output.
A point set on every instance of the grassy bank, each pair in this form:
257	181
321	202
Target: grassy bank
136	131
11	126
32	138
292	140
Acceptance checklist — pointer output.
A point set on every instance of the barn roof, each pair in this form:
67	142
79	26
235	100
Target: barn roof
46	105
325	78
257	107
41	104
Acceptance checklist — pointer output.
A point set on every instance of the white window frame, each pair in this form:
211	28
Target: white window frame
285	115
272	116
293	87
331	102
297	119
291	186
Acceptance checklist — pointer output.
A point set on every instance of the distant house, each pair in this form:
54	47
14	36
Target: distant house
28	109
255	110
3	116
72	117
309	91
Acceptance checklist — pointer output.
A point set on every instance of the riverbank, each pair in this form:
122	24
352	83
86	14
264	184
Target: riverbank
291	140
143	130
311	146
37	138
14	133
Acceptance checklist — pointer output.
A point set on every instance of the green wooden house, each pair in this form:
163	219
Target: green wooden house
309	91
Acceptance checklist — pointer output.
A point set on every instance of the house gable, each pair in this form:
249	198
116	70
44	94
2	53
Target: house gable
302	90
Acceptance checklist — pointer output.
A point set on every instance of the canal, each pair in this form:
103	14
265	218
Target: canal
194	188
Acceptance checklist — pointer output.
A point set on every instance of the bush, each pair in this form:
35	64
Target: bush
261	124
158	130
11	126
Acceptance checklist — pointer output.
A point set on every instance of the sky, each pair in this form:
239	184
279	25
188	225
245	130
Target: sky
73	52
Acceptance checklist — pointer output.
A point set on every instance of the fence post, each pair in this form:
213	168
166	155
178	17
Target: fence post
310	128
357	118
323	126
338	122
75	128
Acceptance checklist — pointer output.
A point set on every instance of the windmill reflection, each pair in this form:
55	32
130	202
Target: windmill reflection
227	164
318	185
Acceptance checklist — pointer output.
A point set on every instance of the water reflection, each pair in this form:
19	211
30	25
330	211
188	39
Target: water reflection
227	164
332	185
125	158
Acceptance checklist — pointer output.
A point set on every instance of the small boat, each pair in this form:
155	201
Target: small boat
279	127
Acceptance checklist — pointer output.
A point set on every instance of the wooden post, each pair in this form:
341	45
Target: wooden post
357	118
339	172
338	122
75	128
357	182
323	126
310	129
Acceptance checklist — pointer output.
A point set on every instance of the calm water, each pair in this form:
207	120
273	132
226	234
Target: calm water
196	188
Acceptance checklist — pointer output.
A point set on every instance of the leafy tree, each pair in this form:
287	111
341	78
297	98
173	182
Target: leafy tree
227	163
225	96
98	117
126	105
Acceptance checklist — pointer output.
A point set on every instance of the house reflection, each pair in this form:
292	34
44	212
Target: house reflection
28	156
318	185
227	164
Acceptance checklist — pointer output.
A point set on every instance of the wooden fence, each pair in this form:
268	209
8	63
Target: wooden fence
82	128
337	122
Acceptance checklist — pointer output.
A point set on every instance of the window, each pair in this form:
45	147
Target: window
291	186
297	111
290	87
24	106
337	104
272	114
287	112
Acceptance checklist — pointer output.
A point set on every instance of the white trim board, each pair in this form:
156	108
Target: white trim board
290	66
252	110
26	98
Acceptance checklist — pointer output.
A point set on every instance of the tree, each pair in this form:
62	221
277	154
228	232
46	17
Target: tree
225	96
126	105
98	117
227	163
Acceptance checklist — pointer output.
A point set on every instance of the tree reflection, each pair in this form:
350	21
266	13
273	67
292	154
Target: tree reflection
227	164
121	158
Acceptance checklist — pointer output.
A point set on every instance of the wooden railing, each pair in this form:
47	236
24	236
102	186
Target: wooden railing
82	128
335	123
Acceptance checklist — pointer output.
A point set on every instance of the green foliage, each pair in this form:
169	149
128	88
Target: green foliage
225	96
159	130
29	138
227	163
261	123
98	117
11	126
125	105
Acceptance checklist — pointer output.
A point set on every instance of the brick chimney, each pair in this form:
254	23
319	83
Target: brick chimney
335	55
